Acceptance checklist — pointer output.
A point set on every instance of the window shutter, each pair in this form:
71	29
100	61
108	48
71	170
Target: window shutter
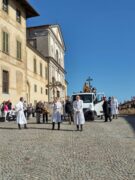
6	34
4	41
19	50
5	81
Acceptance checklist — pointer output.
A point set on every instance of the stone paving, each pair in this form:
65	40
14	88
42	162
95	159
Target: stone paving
103	151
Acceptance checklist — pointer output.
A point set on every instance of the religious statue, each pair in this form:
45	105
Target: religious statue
86	88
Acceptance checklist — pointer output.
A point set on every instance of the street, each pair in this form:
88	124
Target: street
103	151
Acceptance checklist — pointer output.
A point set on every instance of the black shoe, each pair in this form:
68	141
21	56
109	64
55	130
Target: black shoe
53	125
58	125
77	126
19	126
25	127
81	128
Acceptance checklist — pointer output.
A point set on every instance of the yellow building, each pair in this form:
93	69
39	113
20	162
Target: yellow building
17	74
37	76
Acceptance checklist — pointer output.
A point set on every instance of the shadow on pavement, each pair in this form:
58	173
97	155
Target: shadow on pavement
130	119
8	128
50	129
38	123
43	128
97	121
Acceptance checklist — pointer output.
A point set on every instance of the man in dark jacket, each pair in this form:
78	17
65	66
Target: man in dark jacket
39	109
69	109
109	107
106	110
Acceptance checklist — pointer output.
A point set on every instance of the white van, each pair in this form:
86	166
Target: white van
92	104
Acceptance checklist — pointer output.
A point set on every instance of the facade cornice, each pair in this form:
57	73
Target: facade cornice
63	47
56	64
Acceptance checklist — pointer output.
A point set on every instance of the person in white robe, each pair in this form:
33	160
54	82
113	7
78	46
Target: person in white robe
78	113
114	107
20	117
57	112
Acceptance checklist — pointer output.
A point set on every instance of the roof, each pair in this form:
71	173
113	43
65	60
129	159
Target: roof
50	26
40	26
82	93
36	51
30	11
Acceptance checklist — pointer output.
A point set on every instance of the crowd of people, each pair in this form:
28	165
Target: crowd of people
7	111
57	109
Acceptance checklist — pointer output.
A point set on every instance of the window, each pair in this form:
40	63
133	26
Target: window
5	42
18	16
59	61
35	102
5	82
5	5
57	55
35	66
41	90
58	94
40	69
35	88
87	98
46	73
52	49
98	98
46	91
19	50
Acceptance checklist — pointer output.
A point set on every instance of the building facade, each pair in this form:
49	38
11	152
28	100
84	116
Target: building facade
37	76
17	74
49	41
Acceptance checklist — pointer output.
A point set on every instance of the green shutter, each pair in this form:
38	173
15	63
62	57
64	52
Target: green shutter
19	48
20	51
6	42
46	73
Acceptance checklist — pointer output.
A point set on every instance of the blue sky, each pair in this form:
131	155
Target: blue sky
100	42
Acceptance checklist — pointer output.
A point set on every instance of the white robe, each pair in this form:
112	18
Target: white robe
78	112
114	106
20	119
57	109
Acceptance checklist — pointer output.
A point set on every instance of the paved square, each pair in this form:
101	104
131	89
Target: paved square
103	151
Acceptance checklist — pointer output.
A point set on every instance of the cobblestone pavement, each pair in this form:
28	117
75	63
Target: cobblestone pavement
103	151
